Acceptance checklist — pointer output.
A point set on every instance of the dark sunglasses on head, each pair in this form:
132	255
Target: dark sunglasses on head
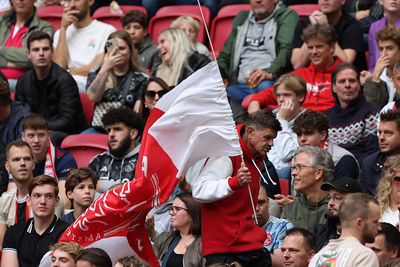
152	94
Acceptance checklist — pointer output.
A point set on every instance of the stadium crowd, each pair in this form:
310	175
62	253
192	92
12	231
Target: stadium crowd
315	100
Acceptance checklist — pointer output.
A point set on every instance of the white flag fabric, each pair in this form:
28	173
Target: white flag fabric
192	122
200	104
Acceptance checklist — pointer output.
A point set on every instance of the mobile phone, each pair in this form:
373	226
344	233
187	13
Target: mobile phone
111	44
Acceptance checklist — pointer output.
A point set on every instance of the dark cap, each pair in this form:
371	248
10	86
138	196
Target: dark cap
345	184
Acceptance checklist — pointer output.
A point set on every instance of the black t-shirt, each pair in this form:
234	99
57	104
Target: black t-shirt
349	36
175	260
21	211
30	247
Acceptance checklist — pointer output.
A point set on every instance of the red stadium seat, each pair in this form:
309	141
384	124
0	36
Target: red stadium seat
284	184
12	95
222	24
85	146
165	15
103	14
126	8
304	10
51	14
87	106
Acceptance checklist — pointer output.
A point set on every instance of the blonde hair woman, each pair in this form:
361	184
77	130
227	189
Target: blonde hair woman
178	55
388	193
191	27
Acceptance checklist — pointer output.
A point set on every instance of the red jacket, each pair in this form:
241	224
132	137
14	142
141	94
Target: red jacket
227	224
319	95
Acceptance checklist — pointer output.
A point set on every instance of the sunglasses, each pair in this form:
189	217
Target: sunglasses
152	94
396	178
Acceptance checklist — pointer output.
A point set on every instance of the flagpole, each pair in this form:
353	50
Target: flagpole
251	198
208	34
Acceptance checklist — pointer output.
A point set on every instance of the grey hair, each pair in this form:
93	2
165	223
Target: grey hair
321	159
396	66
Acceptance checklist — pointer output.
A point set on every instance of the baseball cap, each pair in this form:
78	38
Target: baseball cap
345	184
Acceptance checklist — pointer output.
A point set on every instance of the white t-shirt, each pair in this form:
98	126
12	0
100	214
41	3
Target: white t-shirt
390	216
85	44
389	84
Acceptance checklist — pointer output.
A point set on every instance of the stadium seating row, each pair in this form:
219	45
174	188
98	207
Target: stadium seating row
220	28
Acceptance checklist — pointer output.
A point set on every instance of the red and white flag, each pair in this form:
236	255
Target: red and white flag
191	122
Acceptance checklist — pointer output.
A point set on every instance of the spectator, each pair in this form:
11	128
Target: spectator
78	47
311	129
396	84
118	164
312	167
184	244
179	57
258	49
388	191
19	165
378	87
155	88
191	27
118	81
387	243
298	247
135	23
290	92
389	145
349	46
96	257
352	119
25	243
337	190
320	41
49	159
275	227
12	114
366	12
222	182
15	27
80	187
50	91
391	18
359	214
64	254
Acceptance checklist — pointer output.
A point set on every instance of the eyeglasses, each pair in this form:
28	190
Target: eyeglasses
298	168
175	209
152	94
396	178
335	199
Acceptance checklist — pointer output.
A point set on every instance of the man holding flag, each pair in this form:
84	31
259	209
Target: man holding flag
191	122
228	231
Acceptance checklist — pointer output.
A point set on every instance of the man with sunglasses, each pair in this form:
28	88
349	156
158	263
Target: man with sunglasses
118	164
312	167
337	190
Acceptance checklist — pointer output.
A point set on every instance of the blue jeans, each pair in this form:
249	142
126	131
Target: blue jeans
153	5
241	90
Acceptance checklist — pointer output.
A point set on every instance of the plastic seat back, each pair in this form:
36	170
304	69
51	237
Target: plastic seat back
165	15
87	106
51	14
85	146
222	25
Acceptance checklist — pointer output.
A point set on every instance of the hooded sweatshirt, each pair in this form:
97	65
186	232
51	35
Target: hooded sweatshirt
319	96
227	225
305	214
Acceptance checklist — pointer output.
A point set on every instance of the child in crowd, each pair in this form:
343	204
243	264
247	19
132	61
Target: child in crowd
80	188
391	18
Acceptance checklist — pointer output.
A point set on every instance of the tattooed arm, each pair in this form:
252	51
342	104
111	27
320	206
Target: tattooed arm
96	89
